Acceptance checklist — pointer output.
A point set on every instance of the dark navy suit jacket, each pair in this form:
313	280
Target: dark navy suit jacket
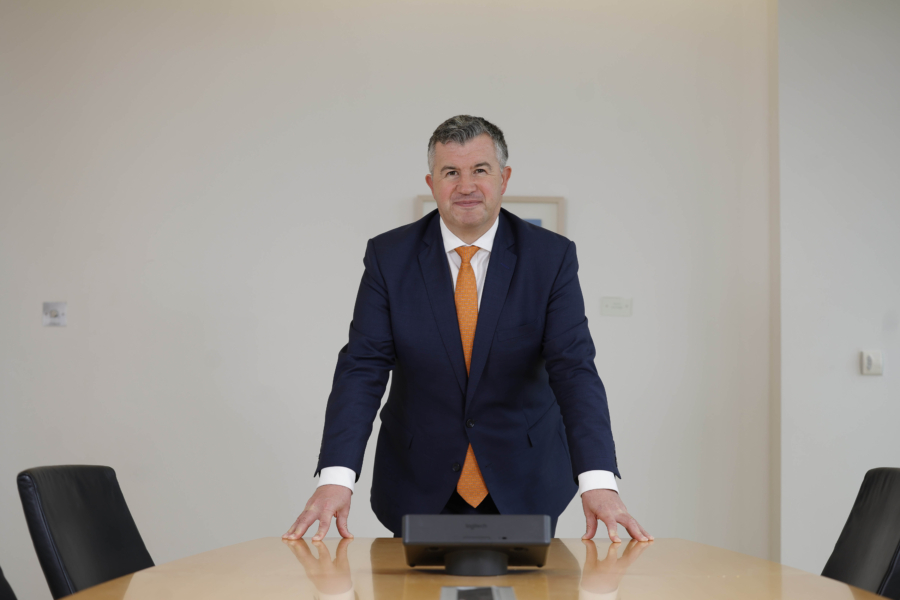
533	407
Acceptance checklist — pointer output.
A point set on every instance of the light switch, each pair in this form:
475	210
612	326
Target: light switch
54	314
615	307
871	362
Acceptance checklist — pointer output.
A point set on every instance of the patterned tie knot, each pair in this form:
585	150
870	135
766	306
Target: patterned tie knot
466	253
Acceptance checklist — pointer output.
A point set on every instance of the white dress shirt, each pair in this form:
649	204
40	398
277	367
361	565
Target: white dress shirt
589	480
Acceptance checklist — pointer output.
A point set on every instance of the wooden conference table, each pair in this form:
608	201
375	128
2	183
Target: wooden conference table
269	568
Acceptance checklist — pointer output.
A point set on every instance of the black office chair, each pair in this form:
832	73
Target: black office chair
867	553
81	527
6	592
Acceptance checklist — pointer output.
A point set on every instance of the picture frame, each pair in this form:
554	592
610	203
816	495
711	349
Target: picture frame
545	211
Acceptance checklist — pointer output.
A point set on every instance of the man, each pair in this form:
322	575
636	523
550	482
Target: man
495	403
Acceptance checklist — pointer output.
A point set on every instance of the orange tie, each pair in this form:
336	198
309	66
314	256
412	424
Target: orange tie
471	484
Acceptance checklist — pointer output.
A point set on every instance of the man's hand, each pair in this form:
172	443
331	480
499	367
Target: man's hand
606	506
328	501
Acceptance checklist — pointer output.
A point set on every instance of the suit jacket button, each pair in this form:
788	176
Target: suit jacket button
470	423
456	467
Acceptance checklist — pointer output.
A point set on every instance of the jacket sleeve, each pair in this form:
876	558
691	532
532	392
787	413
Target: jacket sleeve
568	351
361	374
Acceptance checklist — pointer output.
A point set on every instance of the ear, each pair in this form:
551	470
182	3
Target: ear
505	174
430	183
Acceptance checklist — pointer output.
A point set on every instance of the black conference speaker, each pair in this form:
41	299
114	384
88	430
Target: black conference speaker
476	544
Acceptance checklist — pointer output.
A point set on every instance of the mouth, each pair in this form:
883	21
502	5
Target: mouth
467	203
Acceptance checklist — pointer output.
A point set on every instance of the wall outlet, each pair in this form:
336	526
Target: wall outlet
871	362
54	314
615	307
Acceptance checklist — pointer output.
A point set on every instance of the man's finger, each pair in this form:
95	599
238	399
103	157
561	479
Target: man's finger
634	530
647	536
302	523
612	529
342	526
591	529
291	529
324	524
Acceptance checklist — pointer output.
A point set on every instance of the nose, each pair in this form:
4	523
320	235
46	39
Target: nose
466	184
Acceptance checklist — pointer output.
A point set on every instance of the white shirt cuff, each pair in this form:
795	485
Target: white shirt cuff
341	476
589	480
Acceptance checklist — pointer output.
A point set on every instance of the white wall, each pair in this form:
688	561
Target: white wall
198	181
840	206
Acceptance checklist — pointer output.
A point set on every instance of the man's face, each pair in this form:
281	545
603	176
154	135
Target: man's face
467	184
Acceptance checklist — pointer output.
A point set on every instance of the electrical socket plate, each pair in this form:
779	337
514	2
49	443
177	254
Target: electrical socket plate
54	314
615	307
871	362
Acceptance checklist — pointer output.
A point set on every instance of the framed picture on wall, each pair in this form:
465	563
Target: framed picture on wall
548	212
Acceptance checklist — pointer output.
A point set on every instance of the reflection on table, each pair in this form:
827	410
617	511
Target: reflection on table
557	579
331	578
375	569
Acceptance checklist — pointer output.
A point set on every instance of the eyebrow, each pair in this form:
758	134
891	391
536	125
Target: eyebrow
481	164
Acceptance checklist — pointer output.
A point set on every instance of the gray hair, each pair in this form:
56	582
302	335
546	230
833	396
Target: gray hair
462	128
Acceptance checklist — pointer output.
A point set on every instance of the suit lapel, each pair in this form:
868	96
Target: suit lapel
439	285
493	297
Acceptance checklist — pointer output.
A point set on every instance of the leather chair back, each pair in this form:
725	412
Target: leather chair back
81	527
6	592
867	553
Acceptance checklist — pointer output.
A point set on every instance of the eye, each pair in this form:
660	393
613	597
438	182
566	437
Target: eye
450	173
480	170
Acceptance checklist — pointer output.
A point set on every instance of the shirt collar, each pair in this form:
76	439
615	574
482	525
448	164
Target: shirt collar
485	242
